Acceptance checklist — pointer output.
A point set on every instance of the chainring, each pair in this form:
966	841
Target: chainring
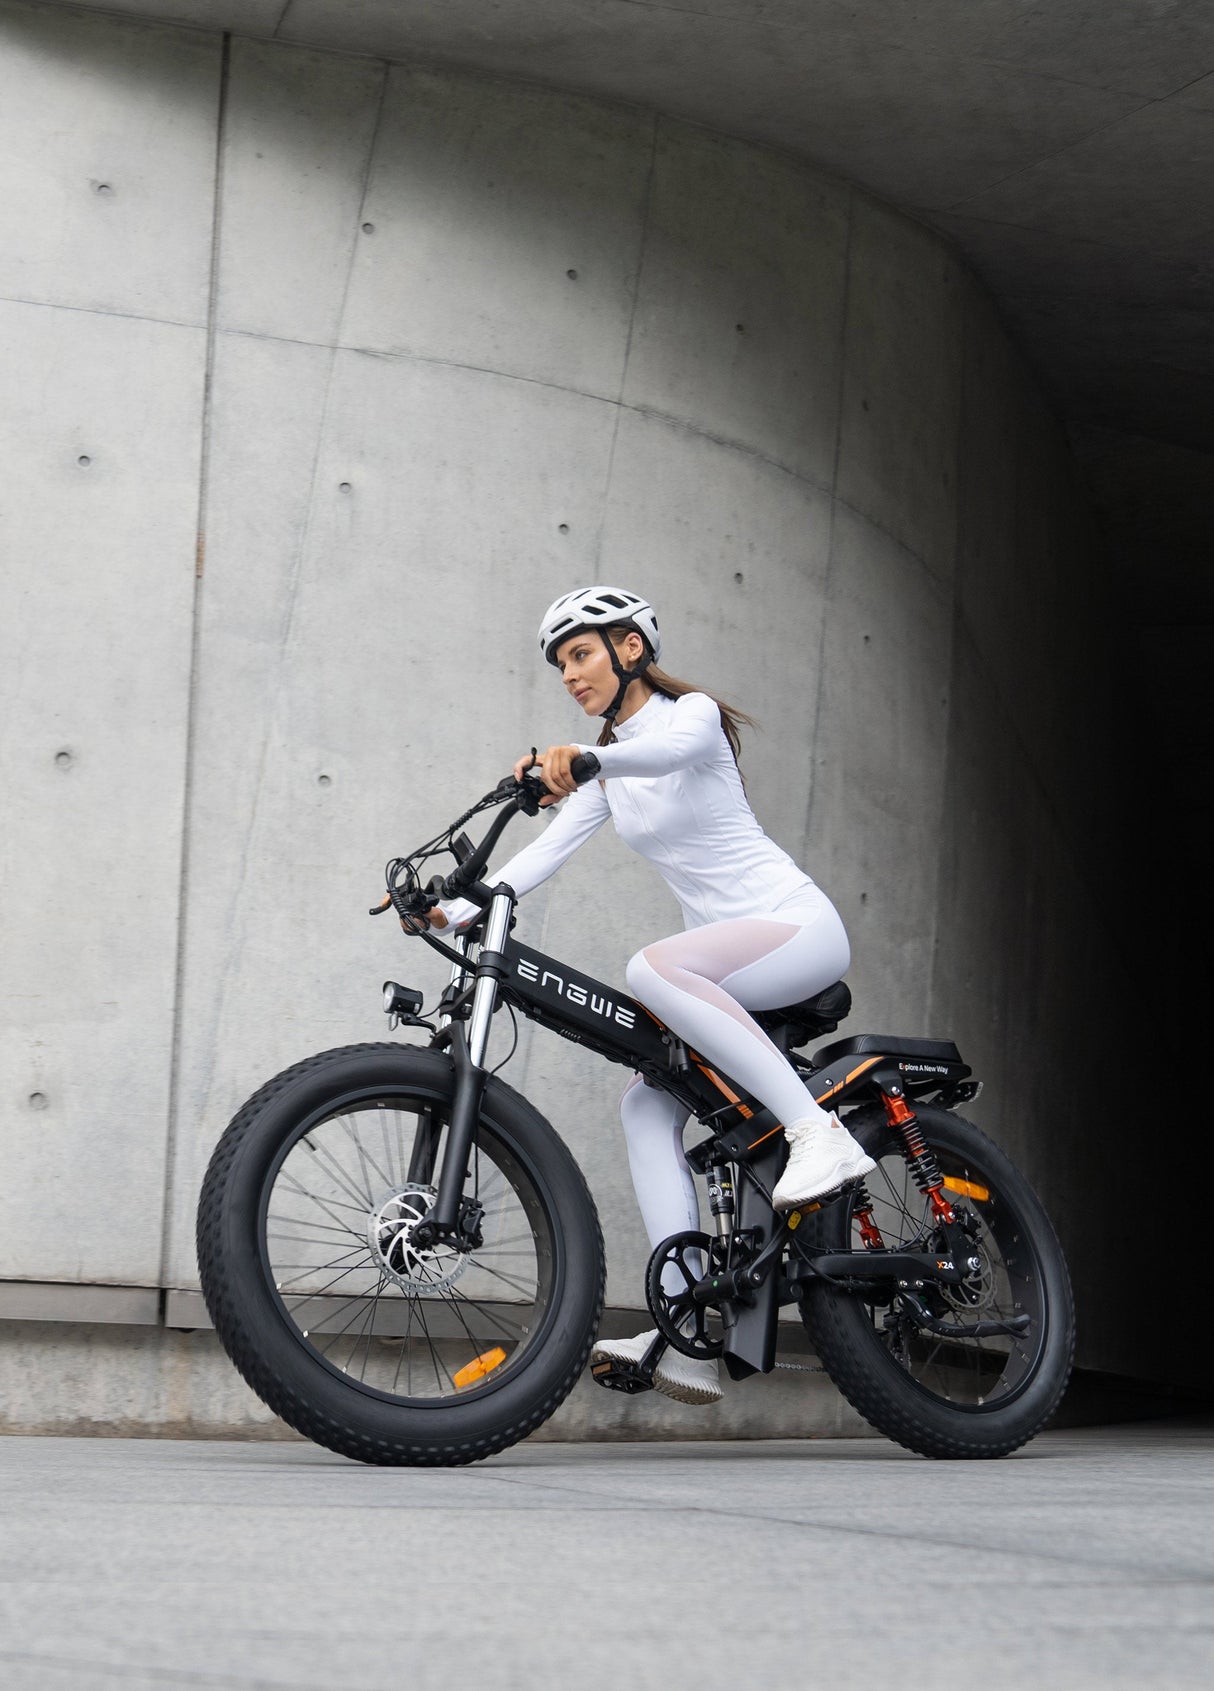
682	1322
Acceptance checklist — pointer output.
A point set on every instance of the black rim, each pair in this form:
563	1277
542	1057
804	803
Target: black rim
975	1375
414	1328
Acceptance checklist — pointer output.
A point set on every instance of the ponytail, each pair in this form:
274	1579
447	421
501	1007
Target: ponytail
732	719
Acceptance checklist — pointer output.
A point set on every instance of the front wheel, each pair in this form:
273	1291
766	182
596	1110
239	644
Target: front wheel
956	1394
365	1341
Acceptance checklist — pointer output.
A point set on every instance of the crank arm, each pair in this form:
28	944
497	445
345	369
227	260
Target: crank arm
955	1329
740	1282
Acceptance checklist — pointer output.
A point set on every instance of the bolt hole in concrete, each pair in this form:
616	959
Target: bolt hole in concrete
368	228
324	780
38	1100
84	461
572	275
102	188
64	760
562	528
740	327
738	577
343	487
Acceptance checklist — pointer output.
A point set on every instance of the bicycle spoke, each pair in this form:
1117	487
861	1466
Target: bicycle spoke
498	1275
351	1286
361	1199
364	1157
314	1268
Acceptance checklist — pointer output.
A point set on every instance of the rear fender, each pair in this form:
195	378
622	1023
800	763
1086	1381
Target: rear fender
849	1074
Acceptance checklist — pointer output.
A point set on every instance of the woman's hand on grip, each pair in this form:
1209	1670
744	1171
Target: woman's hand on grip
554	766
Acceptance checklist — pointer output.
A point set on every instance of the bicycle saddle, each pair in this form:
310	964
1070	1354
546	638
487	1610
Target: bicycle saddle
812	1017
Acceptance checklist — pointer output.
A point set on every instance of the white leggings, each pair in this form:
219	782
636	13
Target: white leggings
701	984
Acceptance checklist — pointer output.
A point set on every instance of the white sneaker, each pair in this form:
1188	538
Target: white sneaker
820	1160
685	1378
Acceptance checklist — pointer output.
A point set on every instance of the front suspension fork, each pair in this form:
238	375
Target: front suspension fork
468	1055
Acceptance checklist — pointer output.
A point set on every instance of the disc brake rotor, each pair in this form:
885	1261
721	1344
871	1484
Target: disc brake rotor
423	1272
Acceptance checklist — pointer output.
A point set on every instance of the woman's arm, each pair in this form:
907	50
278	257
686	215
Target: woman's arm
580	816
691	734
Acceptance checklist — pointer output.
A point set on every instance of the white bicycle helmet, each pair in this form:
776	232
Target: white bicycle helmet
598	608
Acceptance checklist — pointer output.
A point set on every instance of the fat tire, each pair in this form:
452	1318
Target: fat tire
270	1354
873	1382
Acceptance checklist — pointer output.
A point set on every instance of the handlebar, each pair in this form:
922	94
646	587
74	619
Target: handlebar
526	797
515	795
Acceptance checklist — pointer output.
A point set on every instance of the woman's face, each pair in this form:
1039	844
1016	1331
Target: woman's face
586	668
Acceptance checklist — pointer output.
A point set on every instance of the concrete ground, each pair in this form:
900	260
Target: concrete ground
1084	1561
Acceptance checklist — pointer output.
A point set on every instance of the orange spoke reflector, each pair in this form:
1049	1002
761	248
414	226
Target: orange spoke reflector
967	1188
479	1367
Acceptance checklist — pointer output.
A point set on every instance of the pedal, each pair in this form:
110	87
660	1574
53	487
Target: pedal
621	1376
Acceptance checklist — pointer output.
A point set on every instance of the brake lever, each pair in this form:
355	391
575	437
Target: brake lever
529	791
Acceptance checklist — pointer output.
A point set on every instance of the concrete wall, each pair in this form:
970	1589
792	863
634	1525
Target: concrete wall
367	363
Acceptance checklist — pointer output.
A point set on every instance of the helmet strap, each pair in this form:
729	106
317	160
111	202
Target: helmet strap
624	677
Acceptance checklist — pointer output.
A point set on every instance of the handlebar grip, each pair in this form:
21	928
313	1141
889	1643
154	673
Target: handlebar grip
584	767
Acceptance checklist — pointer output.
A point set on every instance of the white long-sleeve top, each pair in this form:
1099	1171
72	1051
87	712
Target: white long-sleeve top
671	786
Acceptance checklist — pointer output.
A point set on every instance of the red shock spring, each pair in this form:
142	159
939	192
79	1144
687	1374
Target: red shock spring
920	1158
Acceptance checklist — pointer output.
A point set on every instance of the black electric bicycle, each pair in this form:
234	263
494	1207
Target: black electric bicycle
402	1257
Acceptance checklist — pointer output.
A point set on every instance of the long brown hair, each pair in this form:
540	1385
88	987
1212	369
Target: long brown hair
733	720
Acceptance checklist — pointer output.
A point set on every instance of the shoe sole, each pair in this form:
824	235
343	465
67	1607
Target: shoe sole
673	1389
681	1392
840	1185
687	1393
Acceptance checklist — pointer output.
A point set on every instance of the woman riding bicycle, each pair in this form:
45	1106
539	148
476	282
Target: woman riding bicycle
759	934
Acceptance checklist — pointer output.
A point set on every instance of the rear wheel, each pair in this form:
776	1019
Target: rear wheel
354	1333
960	1393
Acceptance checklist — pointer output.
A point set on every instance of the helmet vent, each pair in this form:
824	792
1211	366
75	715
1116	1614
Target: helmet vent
597	608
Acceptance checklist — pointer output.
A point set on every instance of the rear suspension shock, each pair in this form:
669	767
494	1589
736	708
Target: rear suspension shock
920	1158
862	1215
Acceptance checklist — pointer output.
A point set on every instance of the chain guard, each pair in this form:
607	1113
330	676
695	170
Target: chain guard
681	1321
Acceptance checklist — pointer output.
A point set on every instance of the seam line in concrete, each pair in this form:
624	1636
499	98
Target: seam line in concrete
104	311
204	463
834	505
952	585
808	1523
291	589
743	448
954	588
123	1671
852	38
1048	158
638	276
